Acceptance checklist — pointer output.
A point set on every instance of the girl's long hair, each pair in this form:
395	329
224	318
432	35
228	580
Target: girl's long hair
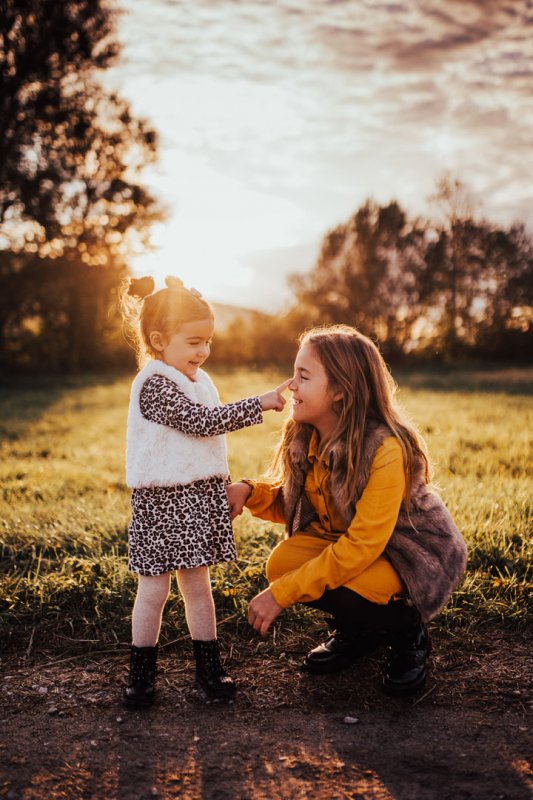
356	369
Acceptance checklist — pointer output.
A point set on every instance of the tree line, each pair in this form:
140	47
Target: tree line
453	287
73	208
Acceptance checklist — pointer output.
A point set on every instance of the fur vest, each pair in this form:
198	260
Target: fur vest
158	455
425	548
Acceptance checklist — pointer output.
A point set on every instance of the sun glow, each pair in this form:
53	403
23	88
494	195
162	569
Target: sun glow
214	222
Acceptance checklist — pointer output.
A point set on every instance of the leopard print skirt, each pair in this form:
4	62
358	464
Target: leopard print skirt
180	527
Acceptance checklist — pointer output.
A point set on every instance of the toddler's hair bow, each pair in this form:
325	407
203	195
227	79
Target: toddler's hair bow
176	283
141	287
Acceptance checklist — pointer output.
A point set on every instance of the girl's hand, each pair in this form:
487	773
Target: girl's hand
274	400
262	611
238	494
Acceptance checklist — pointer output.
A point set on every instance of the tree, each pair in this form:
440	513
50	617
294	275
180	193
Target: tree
454	260
367	275
505	328
477	280
71	153
58	315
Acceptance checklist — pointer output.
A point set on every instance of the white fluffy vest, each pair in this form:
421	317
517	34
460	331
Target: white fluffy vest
158	455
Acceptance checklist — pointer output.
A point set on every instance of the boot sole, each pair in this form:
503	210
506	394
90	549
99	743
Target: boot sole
340	663
328	667
136	705
209	699
402	691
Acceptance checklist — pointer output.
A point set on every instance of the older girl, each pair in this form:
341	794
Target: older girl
370	541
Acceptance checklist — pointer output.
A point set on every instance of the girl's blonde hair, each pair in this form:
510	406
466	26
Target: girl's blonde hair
355	368
145	311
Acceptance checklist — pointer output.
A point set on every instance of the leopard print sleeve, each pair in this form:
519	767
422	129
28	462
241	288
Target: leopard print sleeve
161	401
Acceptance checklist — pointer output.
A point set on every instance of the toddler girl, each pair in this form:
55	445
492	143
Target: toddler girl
176	464
370	542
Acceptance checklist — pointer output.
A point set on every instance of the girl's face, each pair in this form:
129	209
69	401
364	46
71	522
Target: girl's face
313	398
188	348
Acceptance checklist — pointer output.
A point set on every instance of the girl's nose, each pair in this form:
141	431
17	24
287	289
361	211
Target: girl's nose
292	386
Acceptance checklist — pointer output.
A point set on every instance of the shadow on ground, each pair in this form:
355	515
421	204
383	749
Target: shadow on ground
465	735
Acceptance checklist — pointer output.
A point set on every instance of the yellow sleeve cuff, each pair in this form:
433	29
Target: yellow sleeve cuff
279	595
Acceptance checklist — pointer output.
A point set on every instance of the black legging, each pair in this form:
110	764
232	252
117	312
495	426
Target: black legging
354	613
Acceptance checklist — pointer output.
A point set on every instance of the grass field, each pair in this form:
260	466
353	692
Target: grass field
65	508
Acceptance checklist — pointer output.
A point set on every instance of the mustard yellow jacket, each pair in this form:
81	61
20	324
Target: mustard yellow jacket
348	556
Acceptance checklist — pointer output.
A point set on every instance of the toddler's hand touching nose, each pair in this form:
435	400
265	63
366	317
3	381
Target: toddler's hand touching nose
274	400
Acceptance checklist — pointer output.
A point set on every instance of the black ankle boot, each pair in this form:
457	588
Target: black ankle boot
405	670
139	693
339	652
211	676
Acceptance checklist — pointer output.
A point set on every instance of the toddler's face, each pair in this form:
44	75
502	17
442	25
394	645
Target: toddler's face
188	348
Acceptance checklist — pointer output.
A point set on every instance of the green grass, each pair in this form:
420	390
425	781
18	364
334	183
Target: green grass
65	508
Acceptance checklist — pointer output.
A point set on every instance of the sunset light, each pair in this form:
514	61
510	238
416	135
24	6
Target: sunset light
266	327
215	222
277	120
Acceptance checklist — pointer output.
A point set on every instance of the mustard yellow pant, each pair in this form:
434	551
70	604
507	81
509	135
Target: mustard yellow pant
379	582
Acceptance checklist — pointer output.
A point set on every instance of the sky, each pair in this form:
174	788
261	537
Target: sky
278	119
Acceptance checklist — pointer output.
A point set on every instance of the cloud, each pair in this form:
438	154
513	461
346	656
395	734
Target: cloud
320	104
270	269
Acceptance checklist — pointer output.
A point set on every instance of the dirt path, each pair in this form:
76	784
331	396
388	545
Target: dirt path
467	735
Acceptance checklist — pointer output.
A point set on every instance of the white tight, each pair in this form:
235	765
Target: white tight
152	594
